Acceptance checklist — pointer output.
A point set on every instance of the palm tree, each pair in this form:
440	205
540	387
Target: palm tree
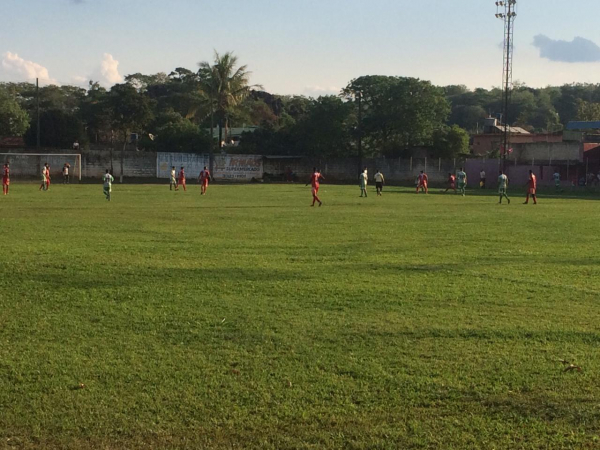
225	86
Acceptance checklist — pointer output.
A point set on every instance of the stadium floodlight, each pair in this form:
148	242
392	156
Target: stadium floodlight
506	10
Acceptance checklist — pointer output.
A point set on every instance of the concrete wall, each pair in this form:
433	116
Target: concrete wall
142	166
548	151
93	164
346	170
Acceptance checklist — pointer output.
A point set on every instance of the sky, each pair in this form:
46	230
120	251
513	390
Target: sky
301	47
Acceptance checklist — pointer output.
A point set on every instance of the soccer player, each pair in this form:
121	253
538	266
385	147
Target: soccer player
173	181
502	186
44	177
108	181
556	177
204	178
5	179
181	179
47	176
66	173
422	182
379	182
314	182
531	188
362	182
451	183
461	176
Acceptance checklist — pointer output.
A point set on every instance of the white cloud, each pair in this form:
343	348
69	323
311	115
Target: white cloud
318	91
23	70
78	80
108	72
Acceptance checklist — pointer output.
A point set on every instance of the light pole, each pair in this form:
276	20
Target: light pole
506	10
360	153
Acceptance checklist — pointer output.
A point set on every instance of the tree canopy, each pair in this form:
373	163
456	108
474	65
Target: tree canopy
388	114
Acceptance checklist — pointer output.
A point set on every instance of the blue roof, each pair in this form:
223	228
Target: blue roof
583	126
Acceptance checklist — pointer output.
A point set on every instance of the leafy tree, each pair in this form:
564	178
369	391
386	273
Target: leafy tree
58	129
326	128
130	111
96	113
14	120
450	142
588	111
226	86
398	112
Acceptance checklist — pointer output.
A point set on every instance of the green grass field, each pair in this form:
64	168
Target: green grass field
246	319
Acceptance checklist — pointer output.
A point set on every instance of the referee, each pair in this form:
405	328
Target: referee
379	182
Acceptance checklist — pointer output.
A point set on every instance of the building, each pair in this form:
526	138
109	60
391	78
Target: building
490	141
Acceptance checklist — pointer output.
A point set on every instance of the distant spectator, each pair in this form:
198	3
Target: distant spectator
482	179
76	146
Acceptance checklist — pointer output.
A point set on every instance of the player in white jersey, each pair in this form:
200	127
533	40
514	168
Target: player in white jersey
503	186
108	181
461	177
556	177
173	182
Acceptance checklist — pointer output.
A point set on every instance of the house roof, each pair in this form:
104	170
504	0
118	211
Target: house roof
512	130
583	126
590	146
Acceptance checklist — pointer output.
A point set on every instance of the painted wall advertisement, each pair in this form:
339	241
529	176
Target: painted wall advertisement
192	163
238	167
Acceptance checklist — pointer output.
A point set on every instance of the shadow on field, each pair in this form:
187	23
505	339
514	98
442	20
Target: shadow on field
58	278
578	412
484	335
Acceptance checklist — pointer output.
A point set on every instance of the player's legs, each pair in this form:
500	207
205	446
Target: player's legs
533	196
425	187
184	187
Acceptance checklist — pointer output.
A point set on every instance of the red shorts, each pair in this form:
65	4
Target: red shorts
531	191
423	184
205	183
181	181
452	186
315	190
5	181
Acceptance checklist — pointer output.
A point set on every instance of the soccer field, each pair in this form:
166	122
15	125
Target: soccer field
246	319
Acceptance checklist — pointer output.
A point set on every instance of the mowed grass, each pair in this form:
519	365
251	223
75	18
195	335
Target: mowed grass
246	319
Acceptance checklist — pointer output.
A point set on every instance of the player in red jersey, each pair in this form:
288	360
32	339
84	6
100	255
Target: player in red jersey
314	182
451	183
5	179
204	178
531	188
47	176
181	179
422	184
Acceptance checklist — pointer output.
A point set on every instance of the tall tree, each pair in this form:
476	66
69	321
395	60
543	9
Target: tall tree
14	120
130	112
397	112
226	86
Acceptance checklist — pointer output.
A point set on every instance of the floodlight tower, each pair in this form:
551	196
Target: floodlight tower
506	10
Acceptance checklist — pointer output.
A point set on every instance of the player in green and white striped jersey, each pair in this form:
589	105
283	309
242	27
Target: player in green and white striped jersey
503	186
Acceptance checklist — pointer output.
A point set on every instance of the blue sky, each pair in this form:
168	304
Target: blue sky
299	46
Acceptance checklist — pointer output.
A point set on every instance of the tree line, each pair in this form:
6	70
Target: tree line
372	116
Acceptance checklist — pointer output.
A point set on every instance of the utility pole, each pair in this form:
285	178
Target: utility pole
37	96
506	10
360	153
